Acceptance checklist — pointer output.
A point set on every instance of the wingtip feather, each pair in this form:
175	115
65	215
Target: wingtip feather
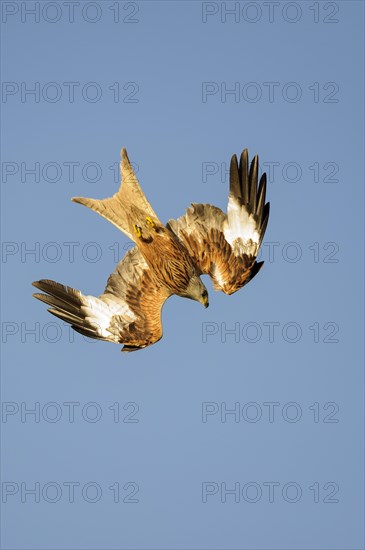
234	178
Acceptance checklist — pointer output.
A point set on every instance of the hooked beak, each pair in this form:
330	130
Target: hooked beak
205	302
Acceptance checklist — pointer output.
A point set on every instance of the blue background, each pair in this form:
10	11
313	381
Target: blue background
168	52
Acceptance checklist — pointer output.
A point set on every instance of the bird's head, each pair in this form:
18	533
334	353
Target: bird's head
196	290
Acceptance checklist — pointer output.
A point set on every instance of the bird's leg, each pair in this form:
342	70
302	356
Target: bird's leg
138	231
150	222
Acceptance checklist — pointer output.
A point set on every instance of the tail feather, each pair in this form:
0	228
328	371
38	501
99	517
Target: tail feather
116	208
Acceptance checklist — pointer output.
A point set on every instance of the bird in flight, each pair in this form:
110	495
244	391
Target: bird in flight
167	259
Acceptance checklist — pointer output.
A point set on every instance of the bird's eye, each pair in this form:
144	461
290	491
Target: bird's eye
205	294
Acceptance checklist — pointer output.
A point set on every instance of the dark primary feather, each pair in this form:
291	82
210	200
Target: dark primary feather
243	186
243	177
128	312
65	301
67	304
234	178
261	194
204	229
253	176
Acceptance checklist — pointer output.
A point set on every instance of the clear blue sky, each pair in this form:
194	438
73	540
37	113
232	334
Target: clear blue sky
184	85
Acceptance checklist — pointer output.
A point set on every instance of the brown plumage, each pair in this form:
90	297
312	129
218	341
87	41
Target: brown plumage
225	246
167	259
128	311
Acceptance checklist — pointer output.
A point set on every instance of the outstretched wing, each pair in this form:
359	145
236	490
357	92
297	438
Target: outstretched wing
128	312
225	246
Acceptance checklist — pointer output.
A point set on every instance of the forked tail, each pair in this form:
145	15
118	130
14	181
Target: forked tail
116	209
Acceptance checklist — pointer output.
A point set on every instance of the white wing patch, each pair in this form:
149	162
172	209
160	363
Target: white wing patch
99	314
240	229
216	274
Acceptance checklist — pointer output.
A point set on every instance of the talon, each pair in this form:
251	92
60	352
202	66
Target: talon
137	230
150	222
